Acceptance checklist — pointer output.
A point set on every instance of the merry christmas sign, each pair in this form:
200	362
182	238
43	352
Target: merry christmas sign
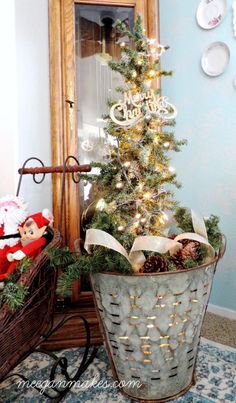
138	106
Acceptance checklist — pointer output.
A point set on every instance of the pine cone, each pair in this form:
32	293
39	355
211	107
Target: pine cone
190	250
178	261
154	264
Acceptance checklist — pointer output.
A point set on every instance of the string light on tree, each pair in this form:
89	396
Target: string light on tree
151	41
163	218
159	167
119	185
151	73
148	83
147	195
143	220
171	169
101	205
166	144
140	186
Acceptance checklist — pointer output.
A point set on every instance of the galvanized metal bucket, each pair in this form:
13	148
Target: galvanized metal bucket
151	325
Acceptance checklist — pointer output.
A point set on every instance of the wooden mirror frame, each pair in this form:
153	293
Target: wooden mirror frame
64	140
63	91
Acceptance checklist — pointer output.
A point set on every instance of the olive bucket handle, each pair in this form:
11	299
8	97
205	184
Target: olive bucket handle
222	247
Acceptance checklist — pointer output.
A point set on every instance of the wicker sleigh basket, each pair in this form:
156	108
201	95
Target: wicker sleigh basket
20	331
151	325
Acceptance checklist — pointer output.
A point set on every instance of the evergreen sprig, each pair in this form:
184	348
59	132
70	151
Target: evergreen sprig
13	293
102	260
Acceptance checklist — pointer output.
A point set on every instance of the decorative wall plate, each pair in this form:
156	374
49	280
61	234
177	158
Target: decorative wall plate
215	59
210	13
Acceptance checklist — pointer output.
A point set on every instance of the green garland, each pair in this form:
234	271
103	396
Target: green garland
73	266
13	294
106	260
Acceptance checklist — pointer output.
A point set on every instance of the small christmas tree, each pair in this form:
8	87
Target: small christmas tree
134	196
133	187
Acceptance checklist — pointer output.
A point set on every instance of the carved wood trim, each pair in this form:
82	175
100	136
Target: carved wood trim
63	117
57	133
70	124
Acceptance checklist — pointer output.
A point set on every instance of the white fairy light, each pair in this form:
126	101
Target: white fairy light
165	217
127	164
121	228
171	169
101	204
143	220
119	185
151	41
166	144
156	140
122	44
140	186
147	195
148	83
159	167
138	215
151	73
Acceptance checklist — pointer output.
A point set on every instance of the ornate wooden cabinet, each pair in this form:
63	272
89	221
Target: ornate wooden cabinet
83	37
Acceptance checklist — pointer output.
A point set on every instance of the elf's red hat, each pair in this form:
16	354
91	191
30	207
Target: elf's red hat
42	219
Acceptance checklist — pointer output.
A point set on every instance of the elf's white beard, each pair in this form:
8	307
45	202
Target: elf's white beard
12	213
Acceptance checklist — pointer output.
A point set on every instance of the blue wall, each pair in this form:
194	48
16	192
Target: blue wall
207	119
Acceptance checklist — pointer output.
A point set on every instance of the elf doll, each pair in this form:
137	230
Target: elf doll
34	237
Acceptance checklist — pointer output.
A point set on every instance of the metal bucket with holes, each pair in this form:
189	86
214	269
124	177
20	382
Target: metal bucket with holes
151	325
